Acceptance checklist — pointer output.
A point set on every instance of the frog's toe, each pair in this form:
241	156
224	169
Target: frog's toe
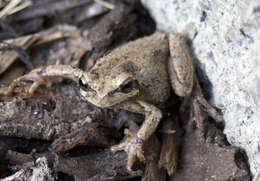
133	146
209	109
10	89
34	76
136	148
130	162
135	152
35	86
124	145
119	147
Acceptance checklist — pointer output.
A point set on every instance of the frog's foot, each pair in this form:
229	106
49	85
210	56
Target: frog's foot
35	76
204	105
201	111
133	147
210	110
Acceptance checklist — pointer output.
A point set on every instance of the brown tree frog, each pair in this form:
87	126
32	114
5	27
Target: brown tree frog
133	77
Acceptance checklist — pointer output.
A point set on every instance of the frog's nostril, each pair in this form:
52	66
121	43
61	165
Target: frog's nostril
101	96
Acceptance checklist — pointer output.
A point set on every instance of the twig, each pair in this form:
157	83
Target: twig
25	58
21	7
14	7
10	6
105	4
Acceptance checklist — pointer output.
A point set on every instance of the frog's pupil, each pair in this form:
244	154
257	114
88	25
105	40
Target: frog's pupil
81	83
128	85
84	86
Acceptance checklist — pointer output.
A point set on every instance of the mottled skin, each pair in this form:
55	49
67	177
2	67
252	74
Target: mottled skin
132	77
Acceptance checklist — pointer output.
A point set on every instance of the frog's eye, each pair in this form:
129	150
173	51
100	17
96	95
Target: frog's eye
81	82
83	85
128	86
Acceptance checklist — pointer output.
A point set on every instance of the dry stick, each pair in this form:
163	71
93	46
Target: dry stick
152	171
7	58
169	155
20	7
24	57
9	7
106	4
47	9
21	44
13	7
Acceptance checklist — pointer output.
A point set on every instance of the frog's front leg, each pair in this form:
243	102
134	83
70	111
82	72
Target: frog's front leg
46	75
133	145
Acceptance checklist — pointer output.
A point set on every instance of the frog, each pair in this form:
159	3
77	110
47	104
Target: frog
137	77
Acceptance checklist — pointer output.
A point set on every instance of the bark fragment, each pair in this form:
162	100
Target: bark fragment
171	142
212	160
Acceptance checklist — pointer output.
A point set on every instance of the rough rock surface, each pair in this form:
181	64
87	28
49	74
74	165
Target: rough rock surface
225	40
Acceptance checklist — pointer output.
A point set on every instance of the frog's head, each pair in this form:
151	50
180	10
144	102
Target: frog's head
105	89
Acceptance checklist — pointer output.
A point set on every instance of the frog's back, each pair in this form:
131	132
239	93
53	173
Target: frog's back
146	59
151	60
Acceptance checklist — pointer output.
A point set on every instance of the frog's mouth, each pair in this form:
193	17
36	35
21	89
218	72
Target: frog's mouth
109	100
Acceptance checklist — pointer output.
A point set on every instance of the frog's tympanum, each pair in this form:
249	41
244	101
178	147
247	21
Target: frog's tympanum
133	77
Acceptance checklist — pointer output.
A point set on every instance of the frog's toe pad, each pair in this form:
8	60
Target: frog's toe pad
134	150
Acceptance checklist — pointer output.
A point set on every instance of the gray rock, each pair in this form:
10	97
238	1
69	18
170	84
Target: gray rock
226	43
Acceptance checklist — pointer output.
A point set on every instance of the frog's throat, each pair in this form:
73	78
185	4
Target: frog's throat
108	100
